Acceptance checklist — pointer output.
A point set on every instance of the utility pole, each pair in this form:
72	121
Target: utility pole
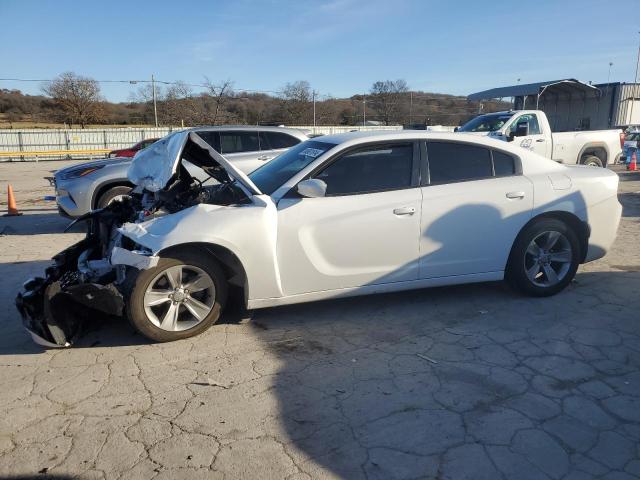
314	93
364	110
635	86
410	108
155	106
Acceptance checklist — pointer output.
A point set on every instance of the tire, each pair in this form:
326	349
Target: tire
592	160
528	264
148	286
107	196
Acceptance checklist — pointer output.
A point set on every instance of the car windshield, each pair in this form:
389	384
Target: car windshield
490	122
275	173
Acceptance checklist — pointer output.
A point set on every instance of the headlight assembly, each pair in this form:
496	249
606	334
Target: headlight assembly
80	172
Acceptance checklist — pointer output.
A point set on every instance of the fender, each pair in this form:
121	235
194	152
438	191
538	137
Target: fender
249	232
602	145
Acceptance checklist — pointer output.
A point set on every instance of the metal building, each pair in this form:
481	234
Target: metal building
573	105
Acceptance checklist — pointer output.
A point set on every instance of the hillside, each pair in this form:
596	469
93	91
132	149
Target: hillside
19	110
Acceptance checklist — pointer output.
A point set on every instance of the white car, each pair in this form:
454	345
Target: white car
335	216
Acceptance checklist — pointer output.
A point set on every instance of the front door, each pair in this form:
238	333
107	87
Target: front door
536	141
363	232
473	208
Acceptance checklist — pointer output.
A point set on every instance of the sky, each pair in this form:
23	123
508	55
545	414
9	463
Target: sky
339	46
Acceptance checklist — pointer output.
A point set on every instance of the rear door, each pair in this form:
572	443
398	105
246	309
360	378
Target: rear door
475	201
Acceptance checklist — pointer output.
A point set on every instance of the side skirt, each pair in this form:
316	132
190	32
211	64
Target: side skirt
371	289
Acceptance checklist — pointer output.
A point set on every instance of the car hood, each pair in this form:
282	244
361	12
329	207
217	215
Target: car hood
153	167
96	163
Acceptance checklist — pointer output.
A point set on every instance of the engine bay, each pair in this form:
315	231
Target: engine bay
90	277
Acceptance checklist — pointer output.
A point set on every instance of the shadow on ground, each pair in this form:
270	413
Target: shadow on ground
37	222
420	384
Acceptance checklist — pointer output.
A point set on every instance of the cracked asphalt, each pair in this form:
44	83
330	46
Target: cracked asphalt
461	382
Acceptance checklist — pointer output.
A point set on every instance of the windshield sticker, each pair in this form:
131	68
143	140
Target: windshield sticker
312	152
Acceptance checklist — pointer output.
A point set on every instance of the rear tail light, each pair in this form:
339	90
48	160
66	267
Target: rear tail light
621	139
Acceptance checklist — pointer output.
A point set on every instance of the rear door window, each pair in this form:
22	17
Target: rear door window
238	142
457	162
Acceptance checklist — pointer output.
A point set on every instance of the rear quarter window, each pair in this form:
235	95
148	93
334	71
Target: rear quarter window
277	140
503	164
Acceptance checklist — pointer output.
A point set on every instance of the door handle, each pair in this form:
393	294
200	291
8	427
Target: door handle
540	140
404	211
264	157
514	195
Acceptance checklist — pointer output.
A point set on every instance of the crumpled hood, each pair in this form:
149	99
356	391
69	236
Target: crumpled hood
153	167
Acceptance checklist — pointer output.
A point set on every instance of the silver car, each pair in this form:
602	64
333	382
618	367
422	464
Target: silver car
82	188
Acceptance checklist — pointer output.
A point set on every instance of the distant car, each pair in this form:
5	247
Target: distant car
131	151
85	187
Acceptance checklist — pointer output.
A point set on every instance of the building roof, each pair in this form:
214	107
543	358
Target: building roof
567	85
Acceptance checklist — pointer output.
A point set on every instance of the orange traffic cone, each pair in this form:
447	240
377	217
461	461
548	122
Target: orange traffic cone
633	166
11	200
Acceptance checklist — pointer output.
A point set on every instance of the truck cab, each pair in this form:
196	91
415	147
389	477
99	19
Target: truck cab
531	129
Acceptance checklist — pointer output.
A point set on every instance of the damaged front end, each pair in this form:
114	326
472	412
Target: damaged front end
81	283
90	277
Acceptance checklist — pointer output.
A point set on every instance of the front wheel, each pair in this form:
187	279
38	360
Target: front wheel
179	298
114	193
544	258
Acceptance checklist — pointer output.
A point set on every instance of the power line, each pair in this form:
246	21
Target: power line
134	82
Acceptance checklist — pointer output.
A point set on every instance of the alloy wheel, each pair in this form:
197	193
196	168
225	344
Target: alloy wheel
548	258
179	298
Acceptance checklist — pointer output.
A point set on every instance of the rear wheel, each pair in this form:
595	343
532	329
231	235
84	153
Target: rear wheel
592	161
179	298
544	258
112	194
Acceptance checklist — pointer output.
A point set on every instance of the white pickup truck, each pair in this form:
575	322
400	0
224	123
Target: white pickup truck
531	130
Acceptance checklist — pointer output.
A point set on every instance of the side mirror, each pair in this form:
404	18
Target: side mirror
312	188
522	129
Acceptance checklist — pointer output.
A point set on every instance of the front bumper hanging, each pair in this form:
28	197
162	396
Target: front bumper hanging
54	308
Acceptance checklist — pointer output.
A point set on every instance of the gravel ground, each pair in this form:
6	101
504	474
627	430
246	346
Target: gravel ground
460	382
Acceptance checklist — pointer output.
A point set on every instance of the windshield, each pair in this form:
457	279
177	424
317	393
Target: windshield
275	173
490	122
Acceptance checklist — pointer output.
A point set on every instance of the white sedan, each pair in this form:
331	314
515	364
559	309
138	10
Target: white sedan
342	215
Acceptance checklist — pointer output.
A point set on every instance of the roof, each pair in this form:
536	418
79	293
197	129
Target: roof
567	85
294	131
355	138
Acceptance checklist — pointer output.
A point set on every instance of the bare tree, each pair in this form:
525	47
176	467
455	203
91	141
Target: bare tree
178	104
78	97
214	102
296	102
386	98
